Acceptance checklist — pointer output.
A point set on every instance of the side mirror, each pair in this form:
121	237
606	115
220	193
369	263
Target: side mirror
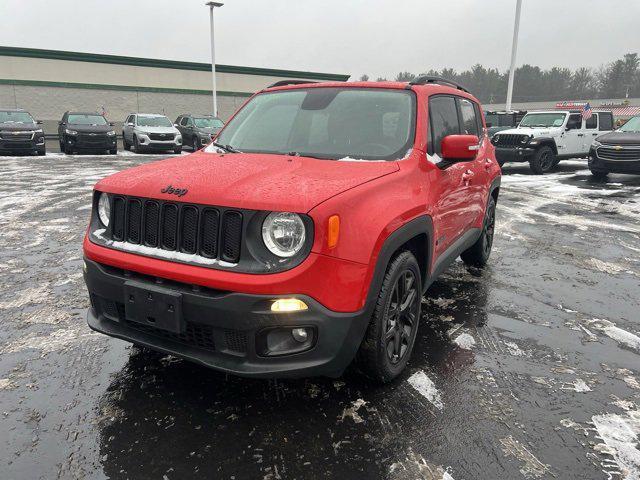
129	124
459	148
39	122
112	124
175	125
61	123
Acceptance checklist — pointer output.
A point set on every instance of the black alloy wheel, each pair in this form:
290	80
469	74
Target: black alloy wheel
401	317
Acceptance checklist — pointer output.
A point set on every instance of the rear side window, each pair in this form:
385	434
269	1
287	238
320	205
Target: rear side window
592	121
468	117
443	118
606	121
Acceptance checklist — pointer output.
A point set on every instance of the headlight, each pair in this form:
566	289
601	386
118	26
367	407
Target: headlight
38	131
283	233
70	132
104	209
111	133
525	139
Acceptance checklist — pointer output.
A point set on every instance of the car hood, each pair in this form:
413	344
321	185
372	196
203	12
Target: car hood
89	128
620	138
535	132
251	181
19	127
158	129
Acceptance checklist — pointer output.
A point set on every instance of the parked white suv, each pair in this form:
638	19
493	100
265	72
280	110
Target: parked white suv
543	138
150	131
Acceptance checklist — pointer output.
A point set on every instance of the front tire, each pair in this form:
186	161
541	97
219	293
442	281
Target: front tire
599	174
543	161
136	145
195	144
477	255
113	151
177	150
125	144
388	342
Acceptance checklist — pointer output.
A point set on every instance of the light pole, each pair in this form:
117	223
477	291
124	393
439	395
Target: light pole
211	6
514	50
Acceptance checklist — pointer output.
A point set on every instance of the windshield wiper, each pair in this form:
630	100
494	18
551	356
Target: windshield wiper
228	148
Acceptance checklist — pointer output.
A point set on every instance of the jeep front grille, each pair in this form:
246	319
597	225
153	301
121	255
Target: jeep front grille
508	139
186	228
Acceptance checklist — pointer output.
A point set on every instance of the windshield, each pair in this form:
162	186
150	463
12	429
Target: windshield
208	122
633	125
154	122
543	120
15	117
332	123
76	119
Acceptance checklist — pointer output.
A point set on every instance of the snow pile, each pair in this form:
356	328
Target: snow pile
464	340
616	333
620	437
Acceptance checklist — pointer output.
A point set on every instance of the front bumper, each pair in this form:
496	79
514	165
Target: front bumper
22	145
514	154
147	142
84	141
613	166
223	330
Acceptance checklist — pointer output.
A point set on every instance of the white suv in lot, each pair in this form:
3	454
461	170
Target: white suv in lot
543	138
150	131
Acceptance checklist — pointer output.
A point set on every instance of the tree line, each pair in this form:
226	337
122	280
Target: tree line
617	79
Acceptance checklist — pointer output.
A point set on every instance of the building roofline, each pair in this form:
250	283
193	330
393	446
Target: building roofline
158	63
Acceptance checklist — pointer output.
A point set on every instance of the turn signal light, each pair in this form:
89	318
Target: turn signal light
288	305
333	231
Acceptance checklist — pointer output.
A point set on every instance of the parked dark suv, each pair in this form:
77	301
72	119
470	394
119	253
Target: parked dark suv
618	151
198	130
86	131
20	133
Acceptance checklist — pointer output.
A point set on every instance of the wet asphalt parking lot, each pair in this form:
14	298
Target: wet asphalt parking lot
529	369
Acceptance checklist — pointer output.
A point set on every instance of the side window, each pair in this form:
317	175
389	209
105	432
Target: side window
468	117
606	121
592	121
574	122
185	121
443	115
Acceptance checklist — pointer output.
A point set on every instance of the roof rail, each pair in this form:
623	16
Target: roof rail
282	83
424	79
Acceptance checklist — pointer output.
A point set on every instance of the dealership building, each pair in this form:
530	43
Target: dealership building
49	82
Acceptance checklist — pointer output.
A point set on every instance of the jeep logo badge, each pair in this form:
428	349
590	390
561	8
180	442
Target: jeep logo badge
180	192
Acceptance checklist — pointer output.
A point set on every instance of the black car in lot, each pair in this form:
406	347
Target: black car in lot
198	130
617	151
86	131
20	133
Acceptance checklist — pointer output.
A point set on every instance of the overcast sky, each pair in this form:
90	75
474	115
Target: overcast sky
376	37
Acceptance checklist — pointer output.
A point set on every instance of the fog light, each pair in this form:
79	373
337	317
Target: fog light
300	334
276	341
288	305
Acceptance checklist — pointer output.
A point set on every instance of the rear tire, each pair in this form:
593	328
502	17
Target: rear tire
543	161
477	254
388	342
195	144
41	151
113	151
125	144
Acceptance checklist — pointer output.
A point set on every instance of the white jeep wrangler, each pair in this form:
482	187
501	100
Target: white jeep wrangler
543	138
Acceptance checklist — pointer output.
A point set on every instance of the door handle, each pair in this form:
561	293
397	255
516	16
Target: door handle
594	134
581	134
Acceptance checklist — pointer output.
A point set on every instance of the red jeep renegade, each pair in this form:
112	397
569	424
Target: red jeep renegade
304	237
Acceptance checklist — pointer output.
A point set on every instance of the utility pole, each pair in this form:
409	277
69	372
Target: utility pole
514	50
211	6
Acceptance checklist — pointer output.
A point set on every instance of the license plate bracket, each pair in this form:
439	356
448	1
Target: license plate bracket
153	306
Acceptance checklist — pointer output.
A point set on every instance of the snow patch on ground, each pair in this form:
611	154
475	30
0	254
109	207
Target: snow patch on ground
618	334
425	387
530	467
47	343
620	439
415	467
464	340
578	385
352	411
